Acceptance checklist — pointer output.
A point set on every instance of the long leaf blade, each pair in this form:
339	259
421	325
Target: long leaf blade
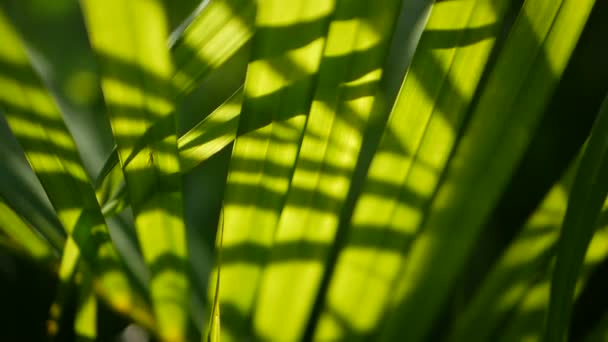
345	101
129	39
584	206
37	124
286	53
405	171
534	55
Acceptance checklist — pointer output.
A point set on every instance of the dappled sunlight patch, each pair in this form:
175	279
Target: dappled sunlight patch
269	80
216	34
10	38
277	288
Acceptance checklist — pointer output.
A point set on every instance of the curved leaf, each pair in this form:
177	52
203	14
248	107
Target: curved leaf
584	206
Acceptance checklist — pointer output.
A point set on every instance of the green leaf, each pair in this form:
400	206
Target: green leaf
405	171
286	52
129	39
215	35
517	269
527	70
67	270
24	193
212	134
584	206
221	29
204	140
70	78
531	313
600	332
17	230
85	322
37	124
214	332
344	103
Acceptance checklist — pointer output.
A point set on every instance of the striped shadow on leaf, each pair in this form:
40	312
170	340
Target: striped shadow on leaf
129	39
510	105
38	126
343	104
406	168
286	53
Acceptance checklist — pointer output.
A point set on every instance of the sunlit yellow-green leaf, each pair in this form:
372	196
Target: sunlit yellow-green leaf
19	231
286	52
212	134
38	126
215	35
344	102
85	322
406	168
510	105
130	40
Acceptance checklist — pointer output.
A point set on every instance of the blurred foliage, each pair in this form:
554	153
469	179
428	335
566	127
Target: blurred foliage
317	170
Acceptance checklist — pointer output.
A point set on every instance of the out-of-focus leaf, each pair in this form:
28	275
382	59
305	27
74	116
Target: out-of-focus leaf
531	312
584	206
37	124
214	332
22	233
85	322
67	270
527	70
23	192
516	270
70	78
129	39
600	332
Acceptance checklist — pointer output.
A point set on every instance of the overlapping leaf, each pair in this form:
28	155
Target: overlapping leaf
416	144
51	152
286	53
584	207
129	39
510	105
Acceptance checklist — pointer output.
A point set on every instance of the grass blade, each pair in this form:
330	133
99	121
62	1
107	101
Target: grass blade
533	58
85	323
17	230
37	124
403	175
584	206
516	270
215	35
129	39
344	103
531	312
24	193
286	53
212	134
221	29
204	140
